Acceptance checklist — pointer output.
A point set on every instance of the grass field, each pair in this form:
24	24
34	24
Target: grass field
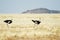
22	27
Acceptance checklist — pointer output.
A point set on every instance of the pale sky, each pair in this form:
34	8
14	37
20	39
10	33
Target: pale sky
18	6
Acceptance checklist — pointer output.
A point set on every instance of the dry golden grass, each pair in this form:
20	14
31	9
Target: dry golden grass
23	28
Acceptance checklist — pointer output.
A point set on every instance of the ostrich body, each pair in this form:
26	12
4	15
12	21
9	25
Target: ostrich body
8	21
36	21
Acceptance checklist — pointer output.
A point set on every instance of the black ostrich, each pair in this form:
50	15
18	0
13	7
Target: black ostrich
8	21
36	22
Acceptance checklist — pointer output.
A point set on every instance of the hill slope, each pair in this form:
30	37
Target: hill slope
41	10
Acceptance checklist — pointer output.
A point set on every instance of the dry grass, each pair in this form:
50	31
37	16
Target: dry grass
23	28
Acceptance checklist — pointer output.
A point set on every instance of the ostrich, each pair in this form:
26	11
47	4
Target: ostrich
8	22
36	22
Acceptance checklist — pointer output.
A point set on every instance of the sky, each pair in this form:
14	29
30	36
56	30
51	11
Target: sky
18	6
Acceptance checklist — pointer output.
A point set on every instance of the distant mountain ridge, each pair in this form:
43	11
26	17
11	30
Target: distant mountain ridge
41	10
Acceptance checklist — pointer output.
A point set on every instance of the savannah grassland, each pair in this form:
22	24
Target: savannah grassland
22	27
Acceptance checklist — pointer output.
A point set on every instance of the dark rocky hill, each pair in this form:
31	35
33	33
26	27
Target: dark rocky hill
41	10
